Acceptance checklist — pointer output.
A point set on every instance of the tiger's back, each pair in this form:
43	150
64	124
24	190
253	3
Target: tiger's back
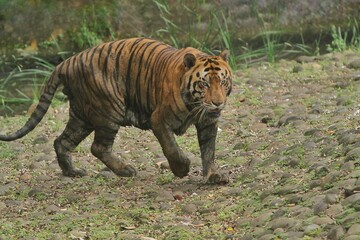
123	80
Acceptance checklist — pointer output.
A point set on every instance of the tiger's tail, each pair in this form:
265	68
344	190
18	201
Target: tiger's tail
40	110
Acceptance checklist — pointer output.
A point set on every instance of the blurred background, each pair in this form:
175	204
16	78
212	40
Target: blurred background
36	35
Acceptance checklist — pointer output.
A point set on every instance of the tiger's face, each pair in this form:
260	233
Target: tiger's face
208	82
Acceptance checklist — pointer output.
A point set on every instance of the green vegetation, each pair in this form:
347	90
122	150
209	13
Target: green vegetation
344	40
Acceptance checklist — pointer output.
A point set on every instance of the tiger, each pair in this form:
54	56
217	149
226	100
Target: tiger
144	83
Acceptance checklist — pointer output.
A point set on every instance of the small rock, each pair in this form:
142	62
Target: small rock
282	222
331	198
297	69
320	207
268	236
33	192
107	174
311	229
312	132
25	177
277	214
348	166
336	233
285	120
354	229
75	234
353	154
164	196
52	209
348	138
352	237
352	200
350	219
342	85
178	195
189	208
305	59
40	139
334	210
321	171
2	206
322	221
354	64
356	76
239	146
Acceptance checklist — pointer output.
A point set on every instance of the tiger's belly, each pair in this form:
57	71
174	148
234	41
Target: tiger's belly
137	119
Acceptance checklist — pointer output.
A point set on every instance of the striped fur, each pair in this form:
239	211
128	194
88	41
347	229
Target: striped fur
143	83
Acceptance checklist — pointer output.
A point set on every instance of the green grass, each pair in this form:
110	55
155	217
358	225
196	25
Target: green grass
19	78
344	40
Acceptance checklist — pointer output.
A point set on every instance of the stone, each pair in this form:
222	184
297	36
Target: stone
268	236
354	64
297	69
282	222
305	59
164	196
353	154
322	221
52	209
348	138
320	206
189	208
354	229
352	237
40	139
331	198
334	210
351	200
336	233
311	229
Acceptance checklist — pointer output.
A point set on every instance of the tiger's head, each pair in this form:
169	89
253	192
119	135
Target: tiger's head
206	84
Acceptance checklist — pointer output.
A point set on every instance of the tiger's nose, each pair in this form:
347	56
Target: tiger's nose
216	103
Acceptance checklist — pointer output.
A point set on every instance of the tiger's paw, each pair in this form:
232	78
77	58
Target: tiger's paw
181	170
218	178
75	172
126	171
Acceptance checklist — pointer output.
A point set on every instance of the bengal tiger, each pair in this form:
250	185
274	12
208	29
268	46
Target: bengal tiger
144	83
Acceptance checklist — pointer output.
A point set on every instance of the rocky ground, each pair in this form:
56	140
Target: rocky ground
289	139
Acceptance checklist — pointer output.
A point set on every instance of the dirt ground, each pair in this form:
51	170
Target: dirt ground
289	139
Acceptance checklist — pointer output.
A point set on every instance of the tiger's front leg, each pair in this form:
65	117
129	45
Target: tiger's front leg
206	137
179	163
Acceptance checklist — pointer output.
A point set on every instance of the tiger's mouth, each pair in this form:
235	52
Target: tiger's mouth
214	113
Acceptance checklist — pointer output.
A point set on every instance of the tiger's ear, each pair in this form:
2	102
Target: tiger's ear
189	60
225	55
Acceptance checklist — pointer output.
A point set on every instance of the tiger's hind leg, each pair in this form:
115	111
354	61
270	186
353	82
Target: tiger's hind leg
75	131
102	149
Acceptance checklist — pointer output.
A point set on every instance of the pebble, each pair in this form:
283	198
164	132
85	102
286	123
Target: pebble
352	237
354	64
322	221
52	209
353	154
305	59
320	206
331	198
164	196
310	229
189	208
351	200
282	222
336	233
354	229
2	206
